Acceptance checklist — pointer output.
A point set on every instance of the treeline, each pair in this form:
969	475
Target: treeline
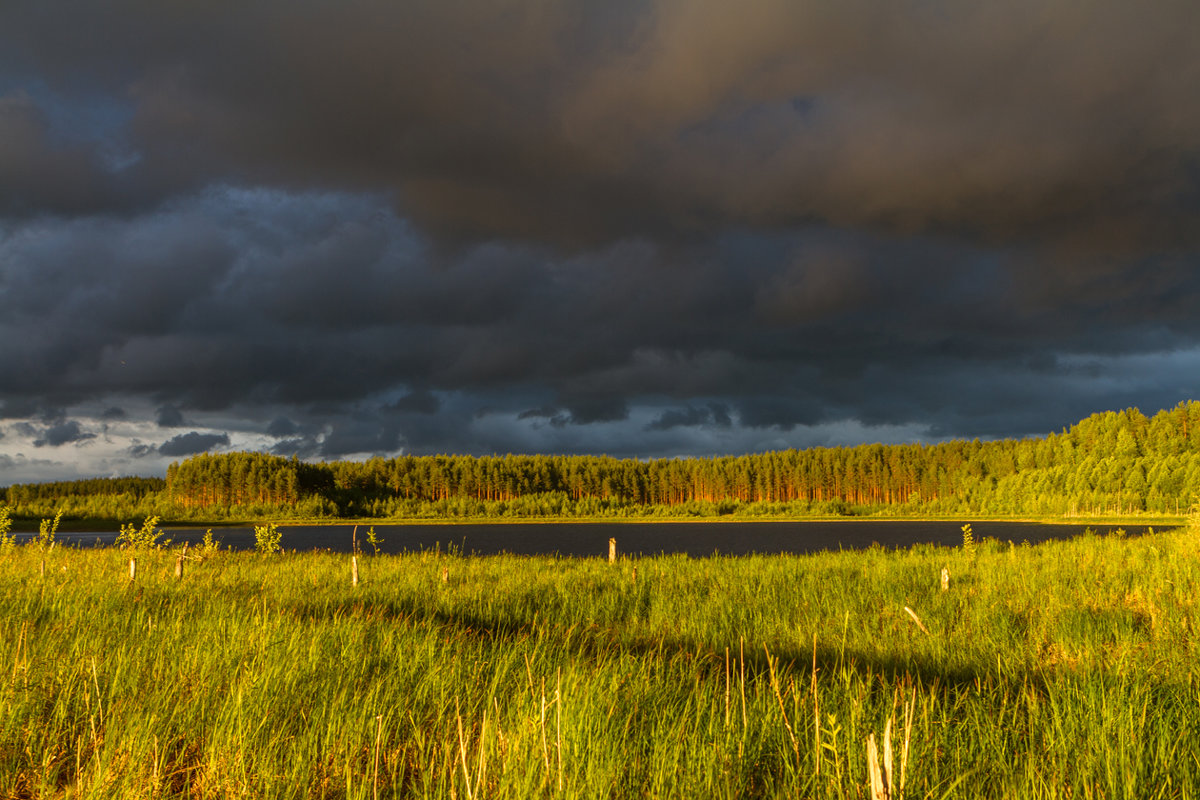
1110	463
92	498
131	487
247	480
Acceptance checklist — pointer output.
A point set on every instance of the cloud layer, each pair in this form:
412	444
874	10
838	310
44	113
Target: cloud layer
642	228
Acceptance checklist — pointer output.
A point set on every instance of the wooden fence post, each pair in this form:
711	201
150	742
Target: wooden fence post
132	568
179	567
612	550
354	570
945	579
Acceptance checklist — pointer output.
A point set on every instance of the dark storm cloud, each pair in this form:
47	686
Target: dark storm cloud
310	301
140	450
418	402
558	122
186	444
59	156
36	175
360	434
18	408
365	227
300	447
168	417
66	432
281	427
553	415
691	416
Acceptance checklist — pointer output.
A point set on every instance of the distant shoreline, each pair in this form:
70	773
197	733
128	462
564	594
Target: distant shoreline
30	525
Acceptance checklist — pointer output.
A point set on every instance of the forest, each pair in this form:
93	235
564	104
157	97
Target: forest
1111	463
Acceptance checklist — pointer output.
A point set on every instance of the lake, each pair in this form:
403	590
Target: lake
584	539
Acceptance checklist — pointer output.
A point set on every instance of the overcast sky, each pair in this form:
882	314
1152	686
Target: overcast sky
633	227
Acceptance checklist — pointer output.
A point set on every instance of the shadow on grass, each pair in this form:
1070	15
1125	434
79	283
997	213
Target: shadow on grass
596	642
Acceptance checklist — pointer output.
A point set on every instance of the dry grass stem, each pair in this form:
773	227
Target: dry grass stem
917	620
782	712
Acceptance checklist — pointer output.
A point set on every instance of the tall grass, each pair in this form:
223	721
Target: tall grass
1068	669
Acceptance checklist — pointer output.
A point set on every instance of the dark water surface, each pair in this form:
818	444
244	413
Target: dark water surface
583	539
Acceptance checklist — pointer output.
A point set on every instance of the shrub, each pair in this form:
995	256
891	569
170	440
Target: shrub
209	546
374	539
968	540
46	531
267	538
7	540
143	538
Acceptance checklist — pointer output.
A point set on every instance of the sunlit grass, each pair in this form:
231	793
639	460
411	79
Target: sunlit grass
1067	669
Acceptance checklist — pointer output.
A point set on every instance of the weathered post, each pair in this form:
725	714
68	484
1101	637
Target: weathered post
179	567
612	550
945	579
354	570
132	568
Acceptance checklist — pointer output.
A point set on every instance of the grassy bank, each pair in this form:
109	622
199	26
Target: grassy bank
32	524
1068	669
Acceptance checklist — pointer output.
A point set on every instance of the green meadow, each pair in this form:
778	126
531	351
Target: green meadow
1066	669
